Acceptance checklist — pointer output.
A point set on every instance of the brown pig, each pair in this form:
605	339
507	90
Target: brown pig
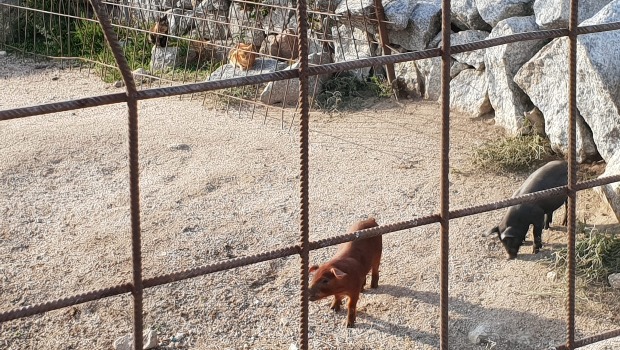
345	274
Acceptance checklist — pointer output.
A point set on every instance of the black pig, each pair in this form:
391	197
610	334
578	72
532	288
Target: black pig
515	224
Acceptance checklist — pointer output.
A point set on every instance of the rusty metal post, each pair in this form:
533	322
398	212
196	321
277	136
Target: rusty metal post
572	171
134	187
384	40
302	19
445	169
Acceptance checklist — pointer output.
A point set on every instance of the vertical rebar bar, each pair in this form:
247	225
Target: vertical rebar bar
384	40
572	170
444	169
302	31
134	188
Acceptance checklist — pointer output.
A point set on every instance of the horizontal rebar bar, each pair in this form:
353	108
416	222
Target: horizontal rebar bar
591	340
55	107
65	302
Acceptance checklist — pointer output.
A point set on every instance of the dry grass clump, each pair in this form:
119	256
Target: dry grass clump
346	92
598	256
511	154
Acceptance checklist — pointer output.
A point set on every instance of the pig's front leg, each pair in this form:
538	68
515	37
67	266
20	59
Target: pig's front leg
351	309
336	303
538	228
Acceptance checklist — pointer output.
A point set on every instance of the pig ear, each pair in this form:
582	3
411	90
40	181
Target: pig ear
491	231
313	268
507	234
338	273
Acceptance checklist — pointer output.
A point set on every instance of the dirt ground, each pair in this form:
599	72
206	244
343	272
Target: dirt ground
218	185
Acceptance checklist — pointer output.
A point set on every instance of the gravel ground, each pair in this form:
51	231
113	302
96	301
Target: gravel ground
216	186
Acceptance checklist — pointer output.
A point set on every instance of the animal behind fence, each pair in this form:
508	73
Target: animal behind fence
345	274
159	31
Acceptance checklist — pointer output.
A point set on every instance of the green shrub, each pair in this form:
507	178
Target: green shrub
44	33
381	86
57	35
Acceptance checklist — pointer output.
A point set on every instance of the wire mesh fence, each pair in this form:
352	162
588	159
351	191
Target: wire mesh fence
216	45
172	43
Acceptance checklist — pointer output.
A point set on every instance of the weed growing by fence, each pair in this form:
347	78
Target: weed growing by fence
597	253
136	47
345	91
381	86
47	33
42	32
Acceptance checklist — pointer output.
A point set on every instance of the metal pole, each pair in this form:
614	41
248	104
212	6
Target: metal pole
302	20
384	39
134	187
445	169
572	170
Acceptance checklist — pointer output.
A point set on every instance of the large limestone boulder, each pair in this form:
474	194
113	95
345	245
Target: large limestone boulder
354	45
598	81
493	11
163	58
502	63
552	14
544	78
146	11
611	192
283	45
465	15
211	26
423	78
424	24
429	80
208	6
261	66
471	58
397	12
280	17
287	91
468	93
183	4
180	21
356	13
408	78
210	17
243	23
323	5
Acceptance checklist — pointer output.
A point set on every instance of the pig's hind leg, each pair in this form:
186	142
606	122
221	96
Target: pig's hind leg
565	220
374	281
548	219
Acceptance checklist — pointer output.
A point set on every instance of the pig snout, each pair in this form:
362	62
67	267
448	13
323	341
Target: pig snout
315	295
511	245
321	287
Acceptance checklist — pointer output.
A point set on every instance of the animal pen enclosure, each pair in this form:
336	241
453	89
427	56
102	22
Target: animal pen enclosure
117	37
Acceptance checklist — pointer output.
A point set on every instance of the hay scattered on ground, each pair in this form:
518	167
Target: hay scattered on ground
512	154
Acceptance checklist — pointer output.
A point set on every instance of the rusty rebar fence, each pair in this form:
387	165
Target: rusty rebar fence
304	72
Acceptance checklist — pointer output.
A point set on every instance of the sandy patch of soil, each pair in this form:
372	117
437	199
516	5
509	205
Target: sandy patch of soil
216	186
